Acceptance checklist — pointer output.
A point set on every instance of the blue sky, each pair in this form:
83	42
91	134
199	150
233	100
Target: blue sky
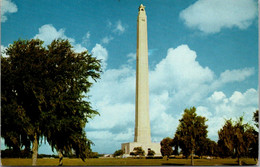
201	53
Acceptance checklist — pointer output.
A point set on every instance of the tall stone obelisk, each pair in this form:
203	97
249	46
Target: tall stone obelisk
142	121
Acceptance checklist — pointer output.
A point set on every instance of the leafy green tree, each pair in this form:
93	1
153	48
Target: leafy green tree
227	130
190	133
132	153
166	147
46	88
67	98
254	147
237	137
211	148
150	153
139	151
175	144
22	73
118	153
206	147
256	118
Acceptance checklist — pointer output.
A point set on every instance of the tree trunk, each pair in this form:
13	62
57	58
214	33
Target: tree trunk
239	161
35	150
192	160
60	158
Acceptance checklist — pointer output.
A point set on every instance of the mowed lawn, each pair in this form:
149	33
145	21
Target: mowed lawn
122	162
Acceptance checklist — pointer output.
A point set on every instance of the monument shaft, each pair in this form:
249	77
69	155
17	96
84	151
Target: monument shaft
142	121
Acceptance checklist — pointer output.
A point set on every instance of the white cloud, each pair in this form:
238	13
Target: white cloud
48	33
211	16
203	111
217	97
163	123
222	107
78	48
119	28
230	76
177	82
86	39
107	39
178	70
7	6
101	53
248	98
236	75
3	48
100	135
131	57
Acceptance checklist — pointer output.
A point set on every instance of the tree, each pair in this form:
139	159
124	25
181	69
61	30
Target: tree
138	151
66	96
150	153
118	153
166	147
237	137
253	149
132	153
46	87
256	118
206	147
190	133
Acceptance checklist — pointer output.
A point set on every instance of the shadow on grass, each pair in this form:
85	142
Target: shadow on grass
243	164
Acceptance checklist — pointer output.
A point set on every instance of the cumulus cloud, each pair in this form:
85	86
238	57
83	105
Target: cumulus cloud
101	53
217	97
177	82
244	99
230	76
7	6
236	75
203	111
180	68
222	107
48	33
214	15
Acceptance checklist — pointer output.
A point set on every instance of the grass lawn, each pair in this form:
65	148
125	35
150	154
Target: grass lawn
122	162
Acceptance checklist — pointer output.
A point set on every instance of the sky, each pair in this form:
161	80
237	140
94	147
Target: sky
202	53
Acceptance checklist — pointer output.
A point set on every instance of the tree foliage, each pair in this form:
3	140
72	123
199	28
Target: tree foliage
206	147
138	151
166	147
254	147
191	133
44	94
236	137
118	153
150	153
256	118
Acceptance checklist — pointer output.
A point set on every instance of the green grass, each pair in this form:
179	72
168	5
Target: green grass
122	162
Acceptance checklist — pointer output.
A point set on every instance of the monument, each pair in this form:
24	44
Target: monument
142	121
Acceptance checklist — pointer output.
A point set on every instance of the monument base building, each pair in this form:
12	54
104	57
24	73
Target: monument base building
142	121
129	147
